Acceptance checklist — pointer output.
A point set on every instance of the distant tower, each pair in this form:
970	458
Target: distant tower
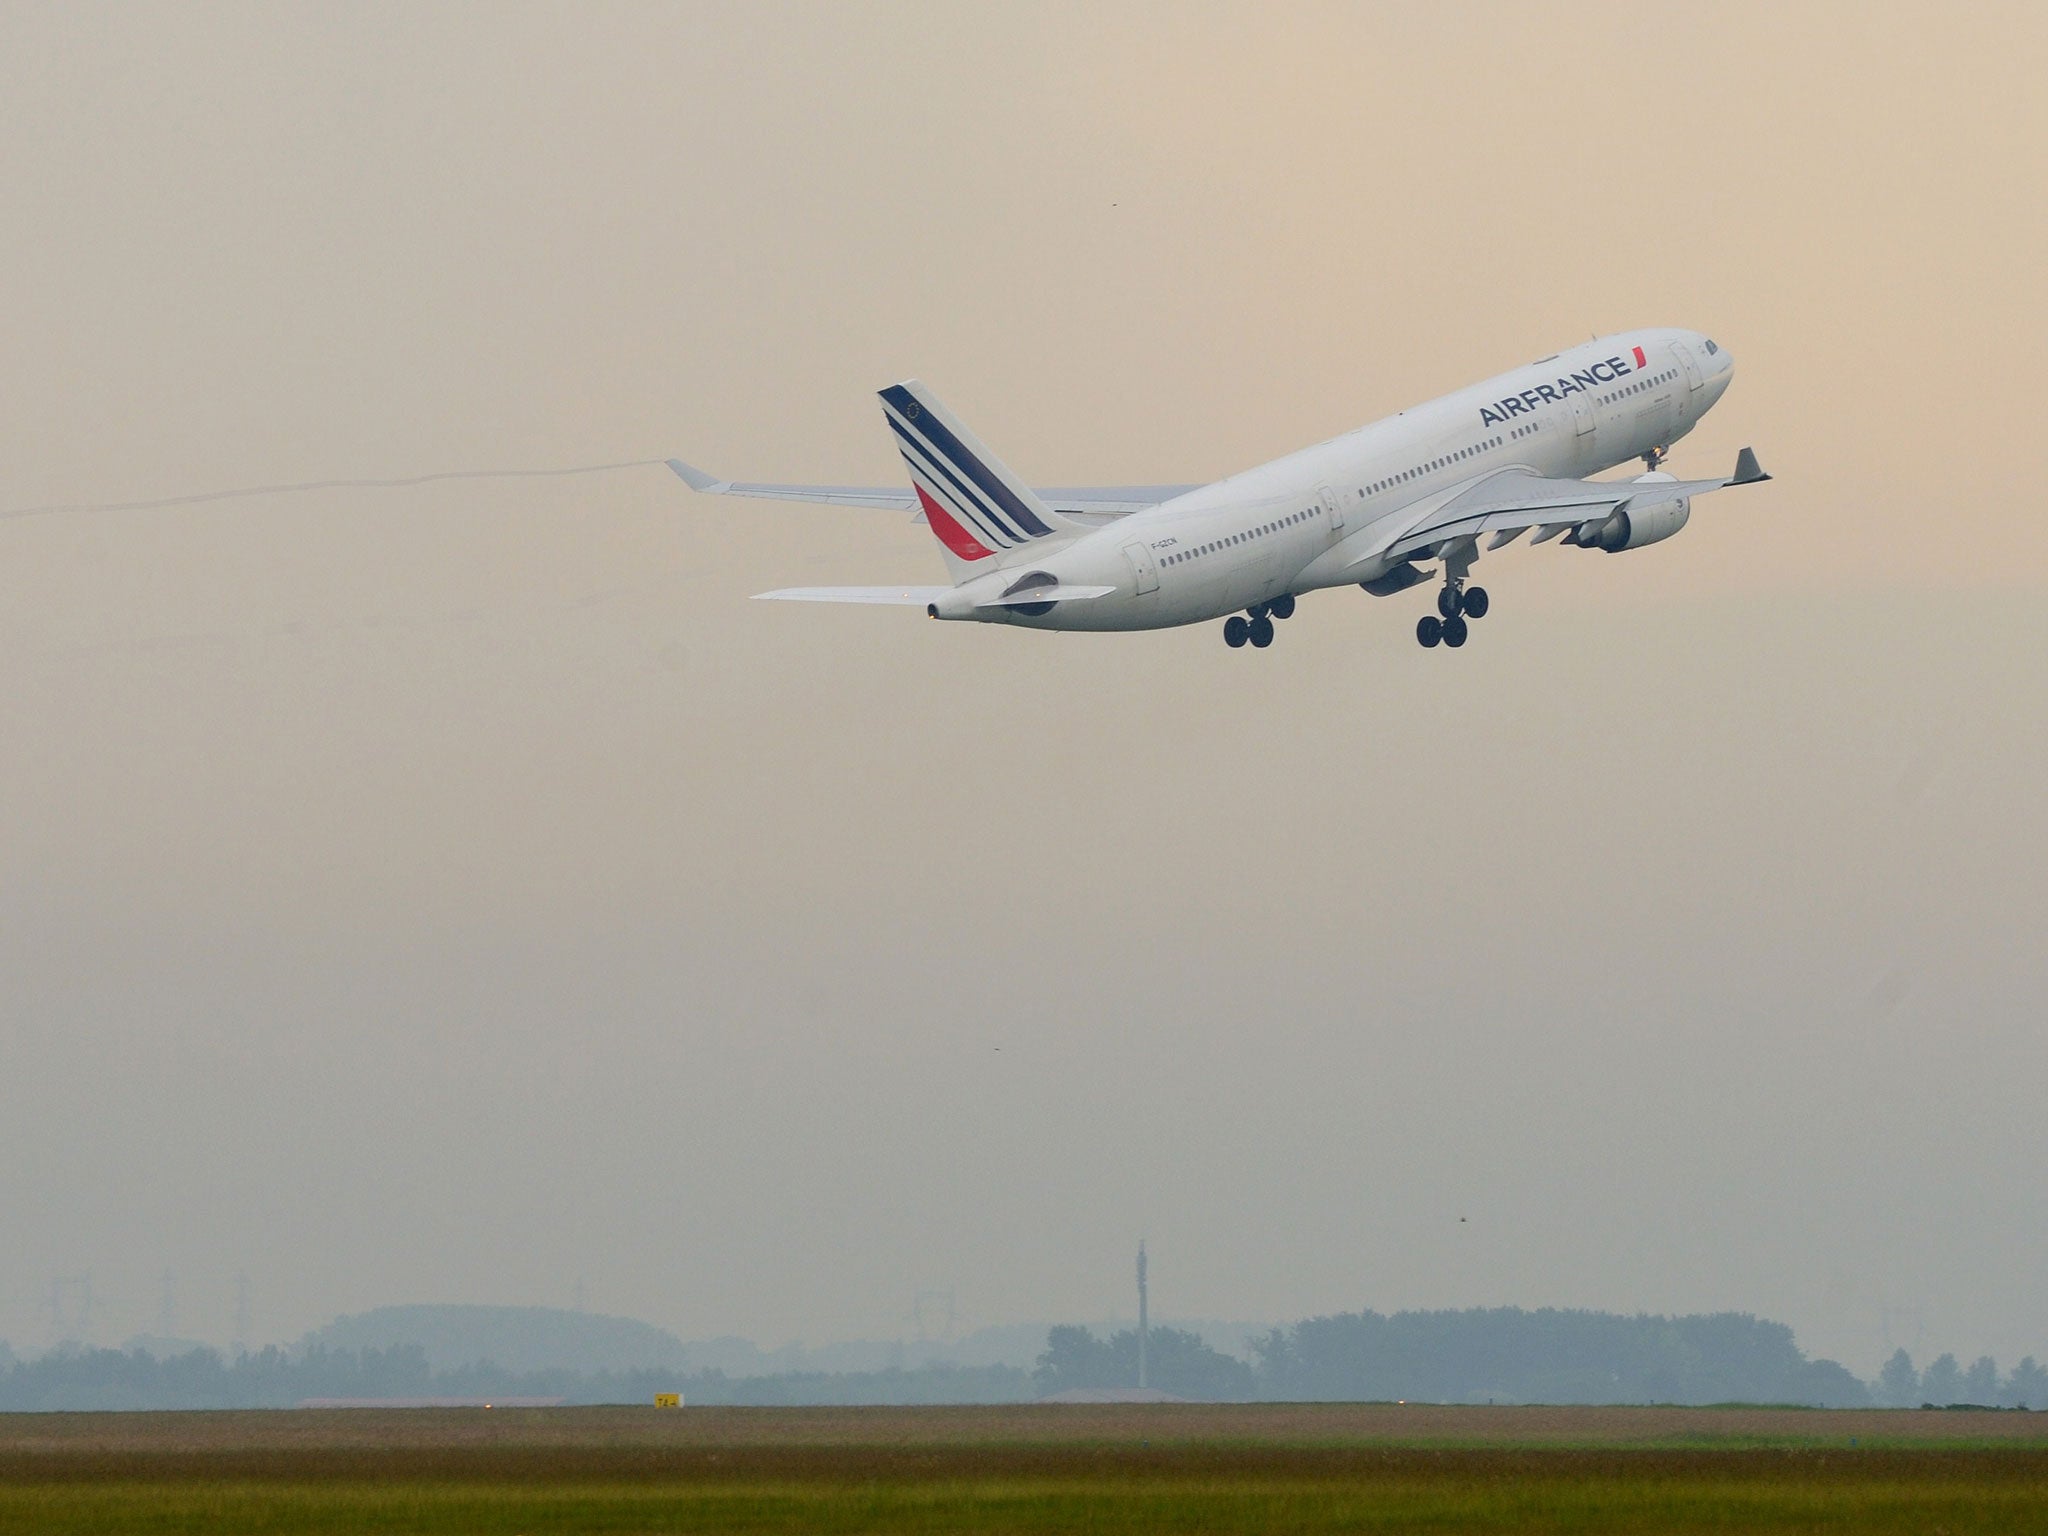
1144	1326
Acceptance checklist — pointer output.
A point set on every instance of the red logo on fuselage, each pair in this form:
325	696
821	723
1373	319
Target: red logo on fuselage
1641	361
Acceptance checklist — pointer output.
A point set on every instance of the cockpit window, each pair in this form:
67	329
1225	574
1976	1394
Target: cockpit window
1711	348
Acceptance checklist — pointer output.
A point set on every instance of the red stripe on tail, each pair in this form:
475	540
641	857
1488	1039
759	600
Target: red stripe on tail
950	533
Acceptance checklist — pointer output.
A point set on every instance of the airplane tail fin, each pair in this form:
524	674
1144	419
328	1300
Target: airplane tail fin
978	510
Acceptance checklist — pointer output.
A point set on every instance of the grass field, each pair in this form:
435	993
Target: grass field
1070	1468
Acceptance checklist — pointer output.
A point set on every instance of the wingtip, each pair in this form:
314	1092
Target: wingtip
1747	470
695	478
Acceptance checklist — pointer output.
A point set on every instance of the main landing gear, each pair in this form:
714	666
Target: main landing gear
1654	459
1455	604
1255	624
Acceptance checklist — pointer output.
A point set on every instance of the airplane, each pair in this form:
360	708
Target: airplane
1371	508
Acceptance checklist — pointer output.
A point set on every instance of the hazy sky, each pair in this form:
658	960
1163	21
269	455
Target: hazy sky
451	893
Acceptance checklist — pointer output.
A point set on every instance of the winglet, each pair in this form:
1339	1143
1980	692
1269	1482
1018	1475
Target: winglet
1747	470
697	480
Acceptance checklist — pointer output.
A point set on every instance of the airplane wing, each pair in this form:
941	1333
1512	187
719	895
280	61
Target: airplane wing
1513	501
1114	499
1101	501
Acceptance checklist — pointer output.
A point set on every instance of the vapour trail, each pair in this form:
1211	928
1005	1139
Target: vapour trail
323	485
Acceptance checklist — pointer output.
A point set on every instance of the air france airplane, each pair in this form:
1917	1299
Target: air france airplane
1371	508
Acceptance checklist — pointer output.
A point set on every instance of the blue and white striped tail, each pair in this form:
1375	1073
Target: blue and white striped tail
975	506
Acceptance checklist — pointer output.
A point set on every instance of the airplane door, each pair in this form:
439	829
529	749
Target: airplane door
1582	419
1143	566
1333	507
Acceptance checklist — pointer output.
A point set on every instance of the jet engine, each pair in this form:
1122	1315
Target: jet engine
1644	520
1399	579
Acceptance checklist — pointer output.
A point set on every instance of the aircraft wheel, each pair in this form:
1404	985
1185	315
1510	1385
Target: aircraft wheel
1454	633
1236	630
1448	603
1282	607
1429	629
1476	602
1262	631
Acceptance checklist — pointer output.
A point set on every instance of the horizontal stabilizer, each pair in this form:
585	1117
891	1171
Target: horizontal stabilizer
1032	595
909	597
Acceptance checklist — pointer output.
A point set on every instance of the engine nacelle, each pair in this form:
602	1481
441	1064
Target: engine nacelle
1399	579
1643	521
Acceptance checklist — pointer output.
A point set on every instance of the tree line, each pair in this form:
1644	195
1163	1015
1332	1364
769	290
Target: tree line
112	1380
1509	1355
1499	1354
1945	1382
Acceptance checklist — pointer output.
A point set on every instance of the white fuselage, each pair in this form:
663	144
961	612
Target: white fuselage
1314	518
